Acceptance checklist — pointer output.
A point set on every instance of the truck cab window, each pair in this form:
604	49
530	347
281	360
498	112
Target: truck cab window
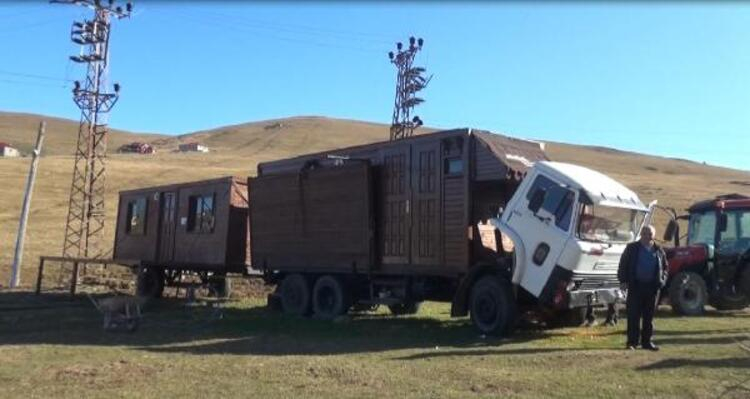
201	214
136	222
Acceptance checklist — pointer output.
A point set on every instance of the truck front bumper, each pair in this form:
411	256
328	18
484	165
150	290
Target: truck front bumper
594	297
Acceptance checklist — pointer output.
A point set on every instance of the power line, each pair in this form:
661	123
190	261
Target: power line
222	24
33	76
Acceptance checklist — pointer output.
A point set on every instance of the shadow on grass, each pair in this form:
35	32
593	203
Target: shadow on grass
169	326
732	362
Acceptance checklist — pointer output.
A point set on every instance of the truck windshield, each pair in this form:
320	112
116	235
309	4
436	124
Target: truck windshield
608	224
702	228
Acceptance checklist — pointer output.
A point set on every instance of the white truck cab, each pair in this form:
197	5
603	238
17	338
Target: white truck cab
569	226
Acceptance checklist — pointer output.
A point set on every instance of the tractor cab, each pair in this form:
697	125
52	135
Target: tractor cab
714	265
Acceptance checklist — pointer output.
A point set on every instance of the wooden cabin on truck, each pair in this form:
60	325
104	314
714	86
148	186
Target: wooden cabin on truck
199	227
391	223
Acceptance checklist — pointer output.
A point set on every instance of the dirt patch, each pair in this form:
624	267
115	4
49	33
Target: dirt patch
112	374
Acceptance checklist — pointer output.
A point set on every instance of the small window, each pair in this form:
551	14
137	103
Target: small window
202	214
453	166
541	182
136	222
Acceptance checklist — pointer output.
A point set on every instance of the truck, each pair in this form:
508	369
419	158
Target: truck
713	266
480	220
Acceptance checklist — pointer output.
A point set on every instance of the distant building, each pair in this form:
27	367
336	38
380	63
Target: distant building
193	147
7	151
137	148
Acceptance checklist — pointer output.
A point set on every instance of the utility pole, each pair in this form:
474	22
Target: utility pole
86	214
409	80
15	277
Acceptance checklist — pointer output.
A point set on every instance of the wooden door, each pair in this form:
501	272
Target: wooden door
167	225
425	232
395	221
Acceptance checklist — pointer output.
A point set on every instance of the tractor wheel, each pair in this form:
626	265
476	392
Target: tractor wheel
688	294
405	308
150	282
744	284
730	297
492	306
295	295
330	298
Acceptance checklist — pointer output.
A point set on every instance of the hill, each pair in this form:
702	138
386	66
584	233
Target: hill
61	135
237	149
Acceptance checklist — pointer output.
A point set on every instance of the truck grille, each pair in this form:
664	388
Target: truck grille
594	281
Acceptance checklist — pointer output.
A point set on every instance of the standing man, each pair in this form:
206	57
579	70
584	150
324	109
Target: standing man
642	272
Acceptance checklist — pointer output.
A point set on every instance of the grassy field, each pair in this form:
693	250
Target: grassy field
55	348
241	349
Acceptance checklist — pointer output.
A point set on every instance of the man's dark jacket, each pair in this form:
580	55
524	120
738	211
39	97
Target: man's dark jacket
629	262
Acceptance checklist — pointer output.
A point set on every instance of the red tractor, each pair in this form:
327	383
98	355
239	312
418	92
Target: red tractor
714	265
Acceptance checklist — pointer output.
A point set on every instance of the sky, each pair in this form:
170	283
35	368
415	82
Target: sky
667	78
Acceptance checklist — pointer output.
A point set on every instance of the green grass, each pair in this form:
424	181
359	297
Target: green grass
245	350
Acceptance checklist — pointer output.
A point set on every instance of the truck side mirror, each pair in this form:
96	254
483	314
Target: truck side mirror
537	199
671	231
723	222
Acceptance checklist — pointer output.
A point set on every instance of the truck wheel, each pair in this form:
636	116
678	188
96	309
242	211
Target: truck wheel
492	306
330	298
220	287
404	308
687	294
295	295
150	282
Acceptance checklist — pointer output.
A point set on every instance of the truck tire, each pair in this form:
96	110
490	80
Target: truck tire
295	295
744	284
150	282
405	308
492	306
688	294
330	298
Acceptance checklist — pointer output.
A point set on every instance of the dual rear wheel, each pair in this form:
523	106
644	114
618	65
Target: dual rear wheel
327	298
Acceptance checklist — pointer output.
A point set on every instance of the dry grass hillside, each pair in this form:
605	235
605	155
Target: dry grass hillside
20	130
237	149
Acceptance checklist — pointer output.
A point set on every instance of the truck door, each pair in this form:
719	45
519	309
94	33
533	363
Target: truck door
167	224
544	231
395	221
425	204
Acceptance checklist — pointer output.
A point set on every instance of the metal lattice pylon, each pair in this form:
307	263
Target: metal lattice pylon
409	81
84	225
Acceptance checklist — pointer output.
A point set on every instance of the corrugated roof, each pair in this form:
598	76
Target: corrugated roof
518	154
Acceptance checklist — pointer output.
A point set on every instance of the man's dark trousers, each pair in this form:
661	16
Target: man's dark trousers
641	304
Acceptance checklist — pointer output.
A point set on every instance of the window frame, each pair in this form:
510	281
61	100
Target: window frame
141	205
196	221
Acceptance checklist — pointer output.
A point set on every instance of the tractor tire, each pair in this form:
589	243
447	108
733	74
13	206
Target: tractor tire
150	282
730	298
405	308
492	306
744	284
330	298
688	294
295	295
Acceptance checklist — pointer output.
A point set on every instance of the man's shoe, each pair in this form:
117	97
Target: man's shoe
650	346
630	347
